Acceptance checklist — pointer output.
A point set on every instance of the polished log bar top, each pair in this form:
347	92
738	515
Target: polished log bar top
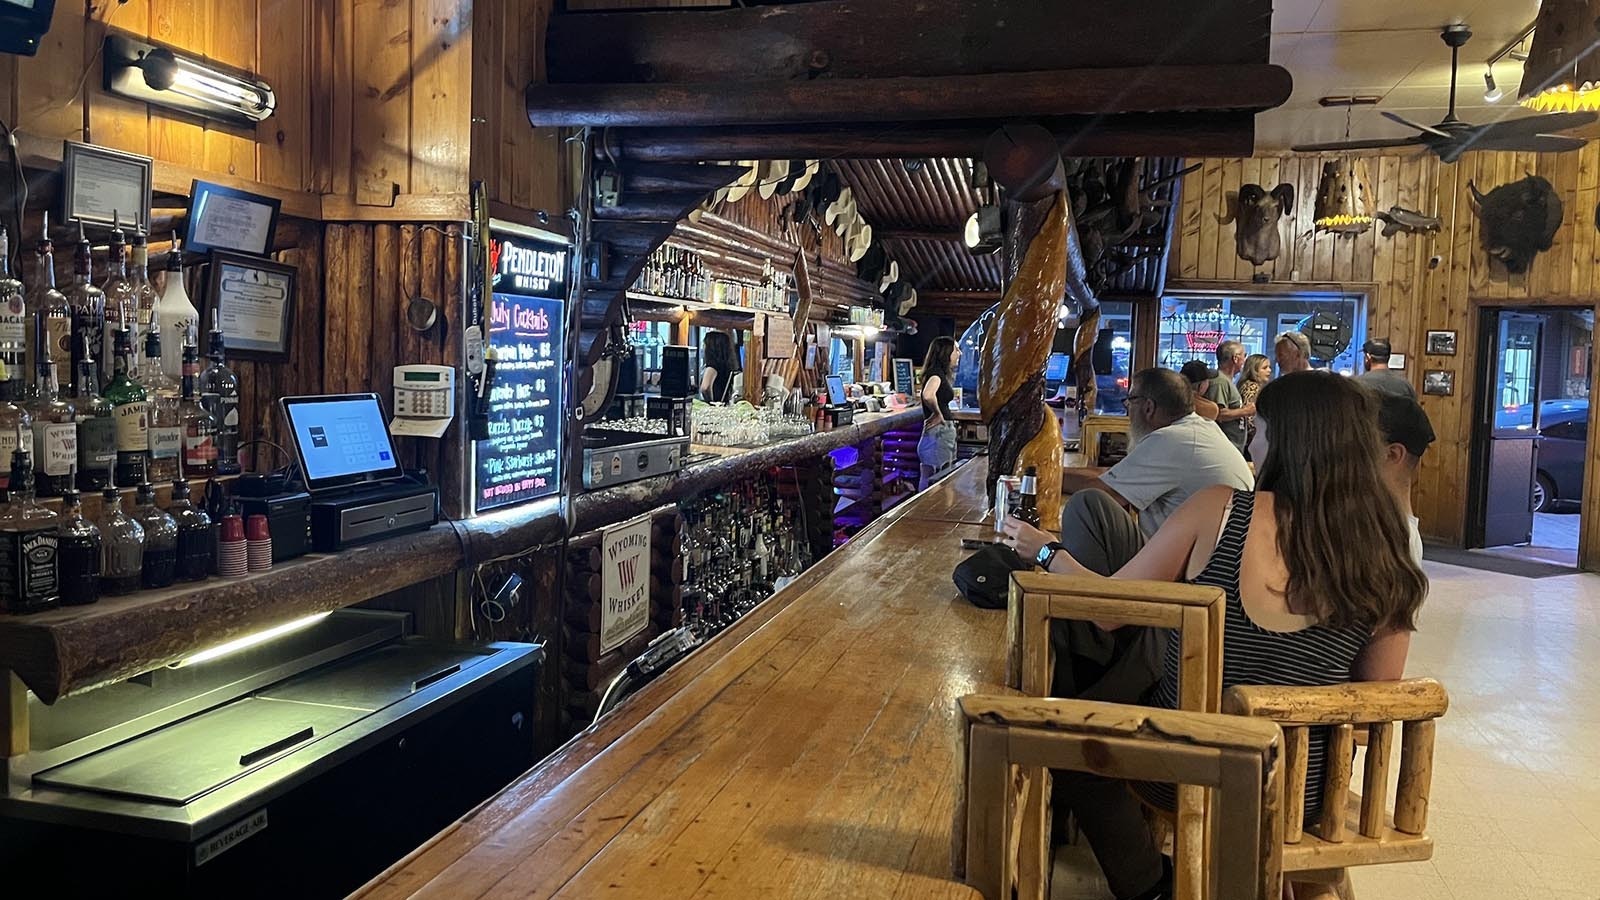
812	750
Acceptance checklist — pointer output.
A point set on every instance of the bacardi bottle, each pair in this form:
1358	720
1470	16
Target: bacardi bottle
13	313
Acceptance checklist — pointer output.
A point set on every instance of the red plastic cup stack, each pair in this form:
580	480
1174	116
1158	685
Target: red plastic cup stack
232	559
259	538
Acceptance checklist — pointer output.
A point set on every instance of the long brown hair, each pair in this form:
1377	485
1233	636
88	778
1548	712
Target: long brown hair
1341	533
937	361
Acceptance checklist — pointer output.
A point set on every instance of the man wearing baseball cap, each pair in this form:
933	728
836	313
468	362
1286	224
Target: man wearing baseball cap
1378	375
1406	435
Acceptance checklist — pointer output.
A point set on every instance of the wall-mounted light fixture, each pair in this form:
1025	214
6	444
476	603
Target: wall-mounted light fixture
1491	91
164	77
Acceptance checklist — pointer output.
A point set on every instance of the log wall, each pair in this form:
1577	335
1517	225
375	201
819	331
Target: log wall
1417	283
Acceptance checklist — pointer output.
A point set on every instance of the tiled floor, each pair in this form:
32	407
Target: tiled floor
1516	799
1555	540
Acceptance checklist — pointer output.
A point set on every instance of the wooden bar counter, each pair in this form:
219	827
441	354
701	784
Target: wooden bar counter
809	751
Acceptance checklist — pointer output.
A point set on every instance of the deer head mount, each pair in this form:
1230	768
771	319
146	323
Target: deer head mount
1257	210
1519	220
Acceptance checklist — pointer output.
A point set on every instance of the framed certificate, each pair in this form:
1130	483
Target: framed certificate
100	185
254	300
224	218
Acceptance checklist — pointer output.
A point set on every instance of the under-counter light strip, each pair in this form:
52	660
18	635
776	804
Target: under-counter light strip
250	640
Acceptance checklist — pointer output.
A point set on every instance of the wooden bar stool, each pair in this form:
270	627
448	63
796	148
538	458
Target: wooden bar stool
1237	758
1194	613
1319	855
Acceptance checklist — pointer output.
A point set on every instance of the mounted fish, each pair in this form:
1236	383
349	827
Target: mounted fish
1398	219
1519	219
1256	211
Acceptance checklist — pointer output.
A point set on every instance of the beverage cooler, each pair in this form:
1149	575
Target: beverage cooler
298	768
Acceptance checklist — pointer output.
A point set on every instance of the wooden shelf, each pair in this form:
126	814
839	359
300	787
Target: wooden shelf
72	649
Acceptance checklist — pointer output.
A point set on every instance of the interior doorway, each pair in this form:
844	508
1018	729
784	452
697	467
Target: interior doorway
1530	432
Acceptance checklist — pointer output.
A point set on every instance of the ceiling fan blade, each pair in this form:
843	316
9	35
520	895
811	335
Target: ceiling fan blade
1358	144
1548	123
1396	117
1527	143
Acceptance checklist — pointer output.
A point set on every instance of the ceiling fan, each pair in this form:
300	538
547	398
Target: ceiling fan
1453	137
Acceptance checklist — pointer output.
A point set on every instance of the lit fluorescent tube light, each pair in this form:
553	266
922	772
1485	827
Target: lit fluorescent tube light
164	77
250	640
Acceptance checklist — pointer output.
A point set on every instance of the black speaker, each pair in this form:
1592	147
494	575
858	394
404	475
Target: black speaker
677	371
630	378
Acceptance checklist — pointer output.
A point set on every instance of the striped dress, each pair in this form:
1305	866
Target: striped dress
1251	654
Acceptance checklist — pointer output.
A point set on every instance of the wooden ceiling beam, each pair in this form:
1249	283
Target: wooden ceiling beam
1148	89
941	235
1216	134
845	39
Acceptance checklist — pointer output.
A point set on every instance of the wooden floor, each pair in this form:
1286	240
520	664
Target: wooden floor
809	752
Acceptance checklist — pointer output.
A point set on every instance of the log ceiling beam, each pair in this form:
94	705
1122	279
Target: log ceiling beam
845	39
941	235
1217	134
1085	92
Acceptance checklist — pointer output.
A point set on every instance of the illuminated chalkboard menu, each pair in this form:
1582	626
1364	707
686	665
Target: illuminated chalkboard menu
521	460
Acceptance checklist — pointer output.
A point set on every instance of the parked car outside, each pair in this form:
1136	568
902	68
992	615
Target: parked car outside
1563	446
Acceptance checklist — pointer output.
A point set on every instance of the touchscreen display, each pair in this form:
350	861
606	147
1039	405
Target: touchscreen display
339	438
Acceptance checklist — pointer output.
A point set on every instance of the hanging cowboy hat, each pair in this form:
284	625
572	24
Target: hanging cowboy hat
808	172
823	192
746	180
791	181
872	265
858	239
890	276
772	175
908	303
842	207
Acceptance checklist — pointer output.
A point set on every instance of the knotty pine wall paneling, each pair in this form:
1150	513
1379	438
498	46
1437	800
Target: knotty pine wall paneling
523	168
1418	283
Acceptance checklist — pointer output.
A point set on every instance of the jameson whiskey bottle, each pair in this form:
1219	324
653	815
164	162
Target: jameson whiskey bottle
121	546
13	313
219	394
78	552
52	319
87	304
128	410
55	434
29	580
97	430
199	425
121	298
165	427
1028	506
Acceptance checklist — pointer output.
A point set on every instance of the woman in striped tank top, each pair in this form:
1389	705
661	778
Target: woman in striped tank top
1321	587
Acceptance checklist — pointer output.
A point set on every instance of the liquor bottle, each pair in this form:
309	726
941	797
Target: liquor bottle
14	421
78	552
219	394
199	425
52	318
121	546
121	299
55	434
177	314
144	290
160	539
165	425
97	431
197	538
29	580
13	313
128	405
1028	505
87	303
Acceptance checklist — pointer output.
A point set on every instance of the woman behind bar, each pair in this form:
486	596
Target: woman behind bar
1321	587
1253	377
716	379
936	451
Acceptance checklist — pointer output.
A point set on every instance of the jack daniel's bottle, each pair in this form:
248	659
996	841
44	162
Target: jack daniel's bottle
29	580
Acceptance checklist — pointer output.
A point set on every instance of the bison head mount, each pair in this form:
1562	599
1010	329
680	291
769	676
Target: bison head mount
1519	220
1256	211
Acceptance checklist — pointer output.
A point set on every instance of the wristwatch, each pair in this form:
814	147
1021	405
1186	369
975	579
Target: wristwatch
1048	552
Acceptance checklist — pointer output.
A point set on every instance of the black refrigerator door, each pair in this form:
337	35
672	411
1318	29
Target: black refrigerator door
1511	413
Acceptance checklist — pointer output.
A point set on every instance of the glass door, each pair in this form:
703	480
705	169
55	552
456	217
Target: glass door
1510	416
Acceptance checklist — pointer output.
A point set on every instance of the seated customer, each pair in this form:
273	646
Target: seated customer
1303	606
1406	434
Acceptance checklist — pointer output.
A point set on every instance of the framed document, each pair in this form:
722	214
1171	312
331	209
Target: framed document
99	185
224	218
254	300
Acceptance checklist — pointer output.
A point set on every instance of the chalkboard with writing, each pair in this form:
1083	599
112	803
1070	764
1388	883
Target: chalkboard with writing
521	460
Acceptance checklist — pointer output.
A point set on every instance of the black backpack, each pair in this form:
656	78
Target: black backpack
984	578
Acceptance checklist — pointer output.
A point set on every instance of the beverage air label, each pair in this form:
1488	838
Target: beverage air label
165	442
58	448
132	429
97	443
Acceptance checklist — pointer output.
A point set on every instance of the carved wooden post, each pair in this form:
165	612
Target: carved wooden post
1025	160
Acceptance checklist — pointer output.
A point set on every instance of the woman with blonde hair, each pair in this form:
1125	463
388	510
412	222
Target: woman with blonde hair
1315	564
